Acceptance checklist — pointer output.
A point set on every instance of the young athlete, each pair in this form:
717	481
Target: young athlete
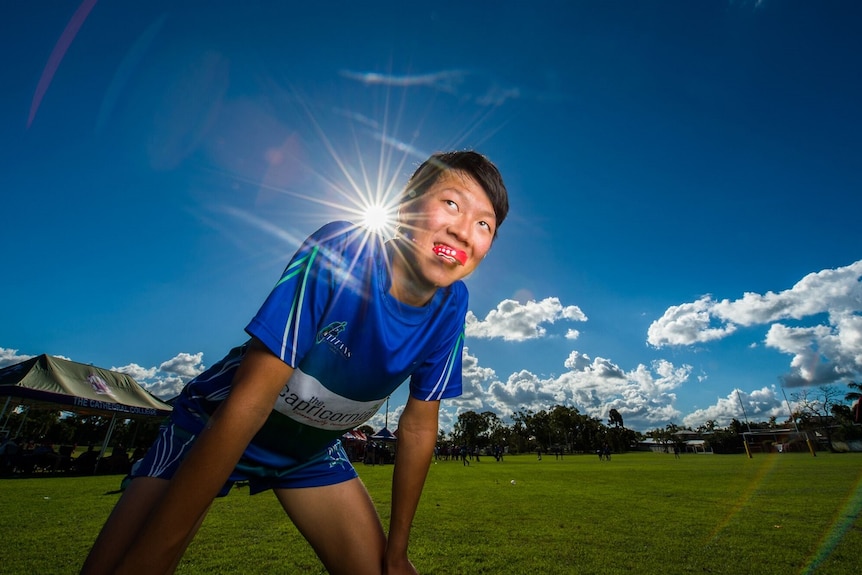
351	318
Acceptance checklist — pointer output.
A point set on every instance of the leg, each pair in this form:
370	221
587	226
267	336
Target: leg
350	540
191	536
127	518
123	524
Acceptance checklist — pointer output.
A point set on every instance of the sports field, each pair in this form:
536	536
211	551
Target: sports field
642	513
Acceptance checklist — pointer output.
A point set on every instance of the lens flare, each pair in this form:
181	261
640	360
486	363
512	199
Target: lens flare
842	524
379	218
57	55
324	162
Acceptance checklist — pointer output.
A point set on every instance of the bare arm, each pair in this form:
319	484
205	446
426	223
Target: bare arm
417	436
216	452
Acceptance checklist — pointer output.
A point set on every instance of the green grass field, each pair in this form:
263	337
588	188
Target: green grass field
642	513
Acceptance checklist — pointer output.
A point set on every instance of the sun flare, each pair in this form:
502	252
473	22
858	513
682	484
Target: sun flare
379	218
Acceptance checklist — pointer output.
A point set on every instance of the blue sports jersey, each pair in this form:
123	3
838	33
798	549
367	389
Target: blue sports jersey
351	344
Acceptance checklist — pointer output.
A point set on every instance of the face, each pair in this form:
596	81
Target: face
449	229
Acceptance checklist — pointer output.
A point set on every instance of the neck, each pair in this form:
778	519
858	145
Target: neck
406	287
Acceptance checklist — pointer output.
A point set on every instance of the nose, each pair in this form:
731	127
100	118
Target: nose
459	227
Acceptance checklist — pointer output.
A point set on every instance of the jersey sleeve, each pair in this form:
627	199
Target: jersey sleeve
288	320
439	376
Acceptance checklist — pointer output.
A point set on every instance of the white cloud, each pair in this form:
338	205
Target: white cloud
165	387
822	353
522	390
167	380
445	80
754	4
825	291
644	396
466	85
473	378
513	321
184	365
137	372
11	357
686	324
497	95
759	405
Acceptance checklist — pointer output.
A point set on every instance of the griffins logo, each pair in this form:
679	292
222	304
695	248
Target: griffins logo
329	335
98	384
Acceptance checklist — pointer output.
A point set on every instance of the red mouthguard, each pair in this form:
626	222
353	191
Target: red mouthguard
458	255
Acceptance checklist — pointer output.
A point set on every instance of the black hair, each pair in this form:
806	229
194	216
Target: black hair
468	162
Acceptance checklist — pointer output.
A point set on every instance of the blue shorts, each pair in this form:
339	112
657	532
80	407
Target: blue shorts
327	467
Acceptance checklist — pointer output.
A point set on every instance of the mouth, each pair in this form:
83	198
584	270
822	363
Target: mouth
450	253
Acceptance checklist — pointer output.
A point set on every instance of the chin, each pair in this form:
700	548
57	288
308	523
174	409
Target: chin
439	274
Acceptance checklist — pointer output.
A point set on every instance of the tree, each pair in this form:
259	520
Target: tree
473	429
563	421
614	418
621	439
709	426
814	409
562	426
854	395
498	434
537	430
856	398
520	438
540	429
729	439
666	436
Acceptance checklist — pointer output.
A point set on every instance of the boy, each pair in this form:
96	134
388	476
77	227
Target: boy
350	319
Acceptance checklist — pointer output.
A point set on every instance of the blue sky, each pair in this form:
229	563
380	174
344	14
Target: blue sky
684	237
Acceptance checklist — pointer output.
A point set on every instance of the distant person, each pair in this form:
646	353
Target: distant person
538	453
118	461
498	452
351	318
86	462
676	451
8	454
44	457
138	454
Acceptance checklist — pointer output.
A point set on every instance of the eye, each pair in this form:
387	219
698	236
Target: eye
486	225
451	204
